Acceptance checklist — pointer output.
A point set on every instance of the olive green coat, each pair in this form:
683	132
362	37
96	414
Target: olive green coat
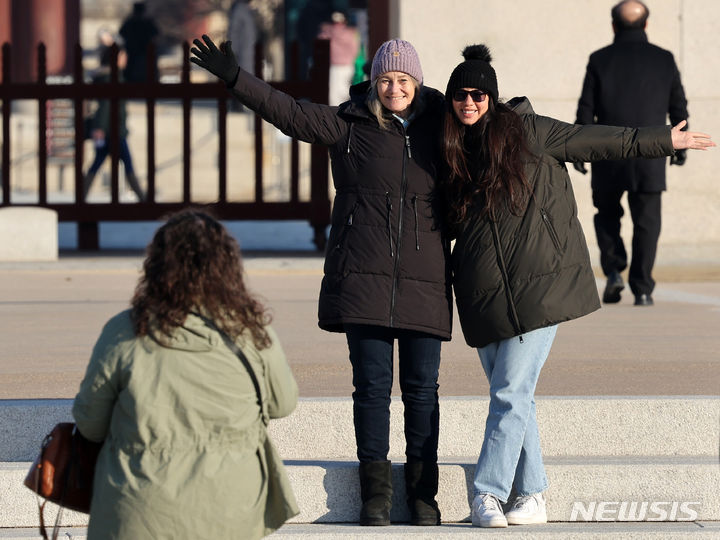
185	453
522	272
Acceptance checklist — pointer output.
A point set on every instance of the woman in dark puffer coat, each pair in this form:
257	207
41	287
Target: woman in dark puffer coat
520	263
386	272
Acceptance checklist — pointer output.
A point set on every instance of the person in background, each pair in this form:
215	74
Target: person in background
344	49
185	451
386	276
138	32
630	83
243	34
99	125
520	262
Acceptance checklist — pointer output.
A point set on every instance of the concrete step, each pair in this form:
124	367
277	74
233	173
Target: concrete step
550	531
587	488
322	428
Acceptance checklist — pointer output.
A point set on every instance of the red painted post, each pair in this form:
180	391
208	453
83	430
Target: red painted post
43	111
186	124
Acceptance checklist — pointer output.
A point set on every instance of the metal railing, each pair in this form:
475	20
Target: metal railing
316	210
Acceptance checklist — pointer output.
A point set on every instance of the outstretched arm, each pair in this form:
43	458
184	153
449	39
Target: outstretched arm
303	120
693	140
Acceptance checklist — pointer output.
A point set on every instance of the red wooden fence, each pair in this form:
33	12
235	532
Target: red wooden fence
88	215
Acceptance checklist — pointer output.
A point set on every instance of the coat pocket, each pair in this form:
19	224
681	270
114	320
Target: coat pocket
551	230
337	254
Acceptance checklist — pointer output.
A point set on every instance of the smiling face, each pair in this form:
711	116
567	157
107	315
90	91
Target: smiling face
396	91
469	111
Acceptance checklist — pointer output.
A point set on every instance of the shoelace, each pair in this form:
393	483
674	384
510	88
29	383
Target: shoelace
521	503
490	502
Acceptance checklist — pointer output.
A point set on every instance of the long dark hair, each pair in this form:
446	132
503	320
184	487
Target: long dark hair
194	264
501	149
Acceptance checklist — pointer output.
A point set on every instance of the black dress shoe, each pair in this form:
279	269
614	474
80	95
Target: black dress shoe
613	287
643	300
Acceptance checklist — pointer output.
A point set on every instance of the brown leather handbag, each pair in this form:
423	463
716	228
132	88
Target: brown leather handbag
63	472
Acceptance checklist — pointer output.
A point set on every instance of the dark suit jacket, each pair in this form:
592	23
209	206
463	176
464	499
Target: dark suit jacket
631	83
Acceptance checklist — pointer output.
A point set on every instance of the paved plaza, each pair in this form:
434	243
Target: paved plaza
51	314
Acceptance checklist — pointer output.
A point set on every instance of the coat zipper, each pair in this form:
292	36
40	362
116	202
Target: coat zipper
506	280
403	187
347	150
550	228
417	237
388	213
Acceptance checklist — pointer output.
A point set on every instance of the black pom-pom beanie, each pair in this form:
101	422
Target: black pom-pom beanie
474	72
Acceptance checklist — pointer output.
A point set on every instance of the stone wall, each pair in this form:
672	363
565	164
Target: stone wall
541	49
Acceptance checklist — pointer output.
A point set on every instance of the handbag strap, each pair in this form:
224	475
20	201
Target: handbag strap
241	355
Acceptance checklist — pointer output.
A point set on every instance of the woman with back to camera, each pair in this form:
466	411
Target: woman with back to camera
185	451
386	277
520	262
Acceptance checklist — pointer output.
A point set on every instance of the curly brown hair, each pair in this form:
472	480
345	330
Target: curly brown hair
502	149
194	264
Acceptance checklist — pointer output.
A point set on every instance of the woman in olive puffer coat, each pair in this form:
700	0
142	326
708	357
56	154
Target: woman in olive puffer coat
386	272
520	263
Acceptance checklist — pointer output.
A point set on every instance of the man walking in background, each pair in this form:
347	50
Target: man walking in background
630	83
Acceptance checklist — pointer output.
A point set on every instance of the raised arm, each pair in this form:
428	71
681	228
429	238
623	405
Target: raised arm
308	122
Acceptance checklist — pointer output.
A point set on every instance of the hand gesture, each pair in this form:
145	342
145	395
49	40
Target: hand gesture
689	139
220	62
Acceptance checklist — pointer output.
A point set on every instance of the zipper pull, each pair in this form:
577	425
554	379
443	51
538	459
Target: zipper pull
388	206
407	145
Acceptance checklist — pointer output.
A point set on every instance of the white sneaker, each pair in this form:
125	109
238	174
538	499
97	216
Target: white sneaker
487	511
527	510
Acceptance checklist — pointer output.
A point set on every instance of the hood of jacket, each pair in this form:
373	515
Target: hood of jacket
520	105
193	336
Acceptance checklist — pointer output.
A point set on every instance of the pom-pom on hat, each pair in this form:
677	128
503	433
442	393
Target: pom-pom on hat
396	55
474	72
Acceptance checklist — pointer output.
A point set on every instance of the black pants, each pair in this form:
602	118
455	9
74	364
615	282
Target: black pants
371	355
645	213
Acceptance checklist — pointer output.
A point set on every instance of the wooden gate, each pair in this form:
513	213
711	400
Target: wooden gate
316	210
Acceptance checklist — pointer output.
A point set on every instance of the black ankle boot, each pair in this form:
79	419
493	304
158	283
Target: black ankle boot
421	484
376	493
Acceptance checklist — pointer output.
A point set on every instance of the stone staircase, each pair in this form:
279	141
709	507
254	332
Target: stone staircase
609	460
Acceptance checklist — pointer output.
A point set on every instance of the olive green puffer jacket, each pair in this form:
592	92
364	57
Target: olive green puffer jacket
521	273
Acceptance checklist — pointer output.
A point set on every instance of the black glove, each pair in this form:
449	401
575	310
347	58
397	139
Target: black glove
580	167
220	62
679	157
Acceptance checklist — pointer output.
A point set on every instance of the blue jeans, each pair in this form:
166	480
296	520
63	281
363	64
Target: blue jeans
102	151
371	356
510	456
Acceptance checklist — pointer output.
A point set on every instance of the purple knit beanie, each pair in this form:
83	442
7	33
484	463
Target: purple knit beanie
396	55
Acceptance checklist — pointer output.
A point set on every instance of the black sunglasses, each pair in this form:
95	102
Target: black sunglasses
477	96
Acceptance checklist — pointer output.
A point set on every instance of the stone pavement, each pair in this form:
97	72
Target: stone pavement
51	314
605	438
